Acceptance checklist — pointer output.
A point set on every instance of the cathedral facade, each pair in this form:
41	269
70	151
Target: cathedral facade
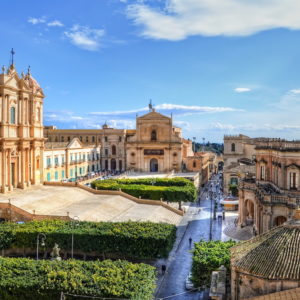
21	130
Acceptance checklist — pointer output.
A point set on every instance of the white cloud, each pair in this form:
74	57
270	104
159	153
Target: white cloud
55	23
168	108
85	37
179	19
35	21
295	91
242	90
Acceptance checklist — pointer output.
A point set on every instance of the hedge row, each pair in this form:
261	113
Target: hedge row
208	257
127	239
26	279
173	190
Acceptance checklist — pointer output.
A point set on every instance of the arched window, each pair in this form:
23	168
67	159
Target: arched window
194	164
153	135
233	147
113	150
12	115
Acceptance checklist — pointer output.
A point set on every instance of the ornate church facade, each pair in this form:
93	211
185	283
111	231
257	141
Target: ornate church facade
21	130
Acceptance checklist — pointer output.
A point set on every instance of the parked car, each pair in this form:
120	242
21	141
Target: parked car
188	282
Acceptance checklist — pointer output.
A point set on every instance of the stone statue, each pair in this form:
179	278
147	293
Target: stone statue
55	253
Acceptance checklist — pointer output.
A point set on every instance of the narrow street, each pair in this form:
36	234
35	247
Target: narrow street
198	228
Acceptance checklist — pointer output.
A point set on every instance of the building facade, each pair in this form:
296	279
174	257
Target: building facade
21	130
238	160
70	160
271	198
156	145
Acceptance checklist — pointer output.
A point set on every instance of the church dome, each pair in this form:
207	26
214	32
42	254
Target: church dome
272	255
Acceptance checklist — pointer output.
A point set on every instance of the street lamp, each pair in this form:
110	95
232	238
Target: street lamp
75	222
43	238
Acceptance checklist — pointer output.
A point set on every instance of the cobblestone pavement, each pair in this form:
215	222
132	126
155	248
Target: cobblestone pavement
195	225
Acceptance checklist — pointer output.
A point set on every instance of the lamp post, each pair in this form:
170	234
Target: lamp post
43	238
75	222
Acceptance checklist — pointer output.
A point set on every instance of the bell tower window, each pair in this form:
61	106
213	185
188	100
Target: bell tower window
153	135
12	115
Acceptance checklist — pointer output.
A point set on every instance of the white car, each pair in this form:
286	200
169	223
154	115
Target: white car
188	282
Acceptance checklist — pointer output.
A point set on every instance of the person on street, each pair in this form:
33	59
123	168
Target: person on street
190	242
163	269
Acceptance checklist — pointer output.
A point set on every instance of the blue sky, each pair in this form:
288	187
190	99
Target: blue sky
220	66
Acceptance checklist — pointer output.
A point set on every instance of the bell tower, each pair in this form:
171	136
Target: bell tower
21	129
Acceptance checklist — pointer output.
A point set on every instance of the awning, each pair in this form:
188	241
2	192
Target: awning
234	202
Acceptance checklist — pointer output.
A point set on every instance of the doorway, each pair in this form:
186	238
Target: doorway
153	165
12	173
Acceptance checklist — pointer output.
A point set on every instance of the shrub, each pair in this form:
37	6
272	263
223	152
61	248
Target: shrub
208	257
173	190
26	279
127	239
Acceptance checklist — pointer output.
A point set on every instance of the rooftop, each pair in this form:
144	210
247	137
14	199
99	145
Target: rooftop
273	255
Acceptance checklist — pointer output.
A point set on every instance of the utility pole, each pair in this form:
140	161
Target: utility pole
203	144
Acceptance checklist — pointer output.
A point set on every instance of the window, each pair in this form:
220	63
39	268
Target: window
120	165
106	151
262	172
153	135
80	171
69	139
233	181
56	160
120	139
293	180
86	139
62	174
62	138
48	161
80	138
83	157
93	139
105	138
12	115
194	164
38	163
56	175
62	159
113	150
56	139
106	164
75	156
71	173
233	147
48	176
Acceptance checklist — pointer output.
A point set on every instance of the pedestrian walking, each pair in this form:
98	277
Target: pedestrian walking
163	269
190	241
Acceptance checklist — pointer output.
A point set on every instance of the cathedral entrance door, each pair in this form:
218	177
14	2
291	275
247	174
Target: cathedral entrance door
12	173
153	165
113	164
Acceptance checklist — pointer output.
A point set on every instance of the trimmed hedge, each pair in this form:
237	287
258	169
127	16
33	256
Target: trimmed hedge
26	279
173	190
127	239
208	257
